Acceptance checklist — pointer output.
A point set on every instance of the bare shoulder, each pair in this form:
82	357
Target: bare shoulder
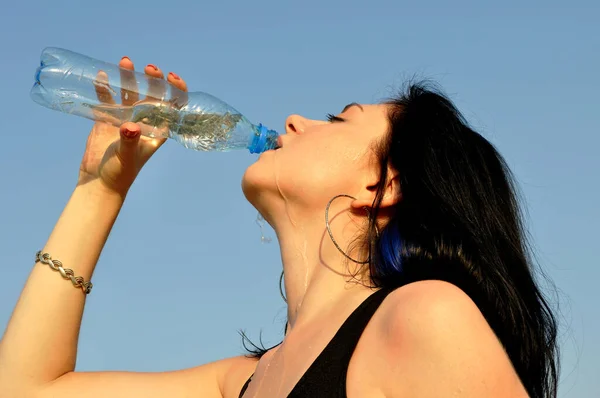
431	335
435	304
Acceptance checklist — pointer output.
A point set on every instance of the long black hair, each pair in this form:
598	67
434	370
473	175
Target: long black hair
459	220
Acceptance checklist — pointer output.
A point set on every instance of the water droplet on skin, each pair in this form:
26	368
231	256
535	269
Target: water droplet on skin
262	223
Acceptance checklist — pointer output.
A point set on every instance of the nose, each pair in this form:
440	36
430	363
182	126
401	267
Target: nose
295	124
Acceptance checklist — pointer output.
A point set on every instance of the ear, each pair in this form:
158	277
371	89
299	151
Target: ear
392	193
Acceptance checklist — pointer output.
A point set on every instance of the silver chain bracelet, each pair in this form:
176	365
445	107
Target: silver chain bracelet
66	273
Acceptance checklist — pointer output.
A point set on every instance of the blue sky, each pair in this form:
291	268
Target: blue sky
184	268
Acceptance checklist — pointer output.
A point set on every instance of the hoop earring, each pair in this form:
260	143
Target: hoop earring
281	289
331	234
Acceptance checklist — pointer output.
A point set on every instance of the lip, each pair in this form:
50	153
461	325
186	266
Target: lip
279	142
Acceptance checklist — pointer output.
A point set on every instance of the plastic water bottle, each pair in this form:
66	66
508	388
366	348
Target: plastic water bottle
67	82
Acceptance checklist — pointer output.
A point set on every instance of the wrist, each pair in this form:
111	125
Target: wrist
96	190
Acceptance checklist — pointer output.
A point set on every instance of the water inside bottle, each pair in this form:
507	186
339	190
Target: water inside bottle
198	130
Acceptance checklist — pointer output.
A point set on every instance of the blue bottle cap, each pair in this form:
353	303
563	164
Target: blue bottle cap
264	140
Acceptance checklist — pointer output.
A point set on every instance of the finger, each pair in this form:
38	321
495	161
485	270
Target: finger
129	88
156	87
179	95
177	81
103	90
130	136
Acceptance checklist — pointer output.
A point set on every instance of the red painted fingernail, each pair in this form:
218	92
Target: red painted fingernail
152	66
174	76
129	133
126	57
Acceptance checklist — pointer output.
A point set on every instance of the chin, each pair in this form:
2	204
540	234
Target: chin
256	182
259	186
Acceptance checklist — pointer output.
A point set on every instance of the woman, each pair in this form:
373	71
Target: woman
406	269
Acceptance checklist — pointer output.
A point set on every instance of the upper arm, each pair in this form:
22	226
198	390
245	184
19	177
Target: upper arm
433	341
219	379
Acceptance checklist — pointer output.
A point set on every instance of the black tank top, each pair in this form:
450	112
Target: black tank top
326	377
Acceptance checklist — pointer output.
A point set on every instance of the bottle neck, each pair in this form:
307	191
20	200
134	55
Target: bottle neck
263	139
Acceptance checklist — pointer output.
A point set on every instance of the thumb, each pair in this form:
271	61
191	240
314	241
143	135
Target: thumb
130	136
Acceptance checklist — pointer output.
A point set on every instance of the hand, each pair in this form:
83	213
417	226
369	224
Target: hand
114	156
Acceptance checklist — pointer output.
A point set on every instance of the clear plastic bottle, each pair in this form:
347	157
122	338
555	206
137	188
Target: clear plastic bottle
67	82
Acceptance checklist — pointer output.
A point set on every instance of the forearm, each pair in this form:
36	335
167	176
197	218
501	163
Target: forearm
40	342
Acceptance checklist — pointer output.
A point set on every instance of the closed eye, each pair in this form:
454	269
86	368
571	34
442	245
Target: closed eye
332	118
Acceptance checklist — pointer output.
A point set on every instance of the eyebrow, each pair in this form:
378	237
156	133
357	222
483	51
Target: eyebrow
351	105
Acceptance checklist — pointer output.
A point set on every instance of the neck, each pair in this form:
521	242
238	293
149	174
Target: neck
318	278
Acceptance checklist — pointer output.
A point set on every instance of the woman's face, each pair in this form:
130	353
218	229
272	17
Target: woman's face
317	160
